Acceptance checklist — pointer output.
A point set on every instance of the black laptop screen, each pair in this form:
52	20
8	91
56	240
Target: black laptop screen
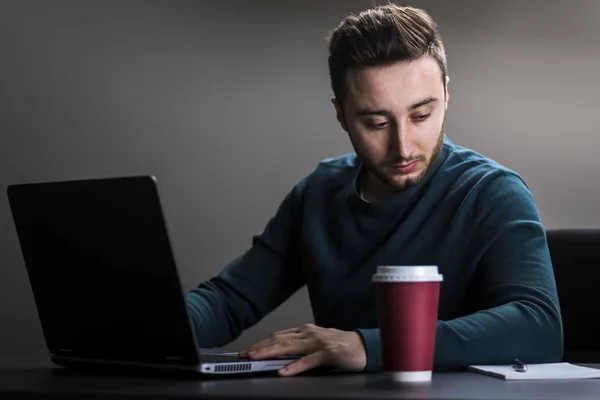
101	268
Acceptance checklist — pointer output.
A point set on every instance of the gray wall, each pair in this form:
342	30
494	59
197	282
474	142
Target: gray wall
227	103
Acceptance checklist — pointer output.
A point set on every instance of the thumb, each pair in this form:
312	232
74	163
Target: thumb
310	361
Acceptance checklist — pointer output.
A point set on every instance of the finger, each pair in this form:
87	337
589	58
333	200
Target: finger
273	339
286	331
304	364
282	348
299	329
263	343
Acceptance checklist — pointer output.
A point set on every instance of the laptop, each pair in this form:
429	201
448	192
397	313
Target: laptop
104	278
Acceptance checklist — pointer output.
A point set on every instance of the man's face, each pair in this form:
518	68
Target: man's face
394	116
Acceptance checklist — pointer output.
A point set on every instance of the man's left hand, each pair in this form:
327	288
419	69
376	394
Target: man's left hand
319	347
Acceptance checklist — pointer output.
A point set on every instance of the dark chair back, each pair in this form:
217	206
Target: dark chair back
575	256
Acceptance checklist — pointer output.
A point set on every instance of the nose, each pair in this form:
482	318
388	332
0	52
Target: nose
400	141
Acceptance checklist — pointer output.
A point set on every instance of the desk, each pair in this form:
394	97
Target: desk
36	377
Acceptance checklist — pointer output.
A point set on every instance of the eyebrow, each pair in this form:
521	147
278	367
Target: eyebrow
387	113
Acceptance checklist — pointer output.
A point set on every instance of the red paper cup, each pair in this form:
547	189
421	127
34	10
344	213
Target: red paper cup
407	308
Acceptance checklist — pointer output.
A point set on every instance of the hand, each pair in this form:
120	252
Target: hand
318	346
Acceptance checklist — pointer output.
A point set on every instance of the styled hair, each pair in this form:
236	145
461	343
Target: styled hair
382	36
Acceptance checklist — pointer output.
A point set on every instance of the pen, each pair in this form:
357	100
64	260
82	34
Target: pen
519	365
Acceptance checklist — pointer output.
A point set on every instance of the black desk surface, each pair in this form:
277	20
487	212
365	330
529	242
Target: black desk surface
37	377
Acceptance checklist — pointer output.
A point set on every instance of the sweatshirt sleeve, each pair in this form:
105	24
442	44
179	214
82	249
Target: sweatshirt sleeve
514	286
517	310
253	284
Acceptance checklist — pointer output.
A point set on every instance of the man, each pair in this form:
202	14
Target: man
408	196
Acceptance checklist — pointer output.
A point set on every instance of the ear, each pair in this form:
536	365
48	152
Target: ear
447	93
339	113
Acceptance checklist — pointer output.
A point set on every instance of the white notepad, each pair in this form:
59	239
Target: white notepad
537	371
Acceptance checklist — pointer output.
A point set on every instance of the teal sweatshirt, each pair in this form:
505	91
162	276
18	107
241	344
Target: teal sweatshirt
473	218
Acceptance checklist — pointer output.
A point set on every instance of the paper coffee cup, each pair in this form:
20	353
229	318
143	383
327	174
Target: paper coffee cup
407	307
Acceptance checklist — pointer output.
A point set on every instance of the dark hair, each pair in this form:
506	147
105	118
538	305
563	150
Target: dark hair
382	36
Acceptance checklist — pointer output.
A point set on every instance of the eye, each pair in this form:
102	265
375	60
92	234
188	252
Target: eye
421	118
377	125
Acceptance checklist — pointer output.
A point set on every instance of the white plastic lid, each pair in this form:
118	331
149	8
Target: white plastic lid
416	273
